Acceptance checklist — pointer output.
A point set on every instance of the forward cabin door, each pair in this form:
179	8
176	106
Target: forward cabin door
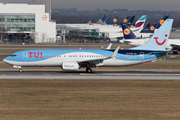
25	56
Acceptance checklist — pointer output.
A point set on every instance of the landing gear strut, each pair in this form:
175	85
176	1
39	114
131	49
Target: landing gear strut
88	70
20	70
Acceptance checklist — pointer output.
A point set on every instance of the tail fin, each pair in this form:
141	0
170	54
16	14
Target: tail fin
114	20
141	21
106	22
161	21
91	22
101	21
128	34
130	20
125	20
145	29
149	29
159	40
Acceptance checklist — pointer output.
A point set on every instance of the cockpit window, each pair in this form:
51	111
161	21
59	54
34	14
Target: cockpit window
13	55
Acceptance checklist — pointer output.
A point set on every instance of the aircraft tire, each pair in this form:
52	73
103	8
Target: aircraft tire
88	70
20	70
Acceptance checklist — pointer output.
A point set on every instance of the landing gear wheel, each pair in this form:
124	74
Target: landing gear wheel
175	52
20	70
88	70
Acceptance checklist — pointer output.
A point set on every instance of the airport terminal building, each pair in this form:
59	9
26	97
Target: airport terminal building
29	20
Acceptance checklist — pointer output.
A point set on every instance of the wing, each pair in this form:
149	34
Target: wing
175	46
99	61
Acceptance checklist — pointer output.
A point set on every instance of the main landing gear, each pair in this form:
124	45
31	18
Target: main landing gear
88	70
175	52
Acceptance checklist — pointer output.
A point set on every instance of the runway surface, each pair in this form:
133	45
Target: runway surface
106	75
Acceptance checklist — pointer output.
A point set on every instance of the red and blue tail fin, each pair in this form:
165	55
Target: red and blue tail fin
140	22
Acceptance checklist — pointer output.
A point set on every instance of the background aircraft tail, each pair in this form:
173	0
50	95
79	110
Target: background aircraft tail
91	22
114	20
161	21
125	20
159	40
130	20
106	22
140	22
148	28
128	34
101	21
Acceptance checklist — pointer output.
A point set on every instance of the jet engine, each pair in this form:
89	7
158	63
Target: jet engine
70	66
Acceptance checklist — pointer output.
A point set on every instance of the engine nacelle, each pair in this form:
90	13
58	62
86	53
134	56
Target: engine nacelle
70	66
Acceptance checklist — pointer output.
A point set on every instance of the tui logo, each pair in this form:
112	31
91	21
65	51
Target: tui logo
156	39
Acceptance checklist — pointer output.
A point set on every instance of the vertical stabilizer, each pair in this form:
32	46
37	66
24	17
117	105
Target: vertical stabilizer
91	22
140	22
106	22
101	21
128	34
161	21
114	21
159	40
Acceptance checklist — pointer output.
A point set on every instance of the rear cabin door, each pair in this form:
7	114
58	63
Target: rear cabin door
142	56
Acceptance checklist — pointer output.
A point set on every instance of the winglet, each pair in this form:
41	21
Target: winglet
109	46
115	52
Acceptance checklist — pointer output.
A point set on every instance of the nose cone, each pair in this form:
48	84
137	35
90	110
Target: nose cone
6	60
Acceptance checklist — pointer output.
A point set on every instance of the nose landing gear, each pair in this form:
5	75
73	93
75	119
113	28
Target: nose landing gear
20	70
88	70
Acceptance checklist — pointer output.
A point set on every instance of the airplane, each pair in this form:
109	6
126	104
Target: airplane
131	39
69	59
